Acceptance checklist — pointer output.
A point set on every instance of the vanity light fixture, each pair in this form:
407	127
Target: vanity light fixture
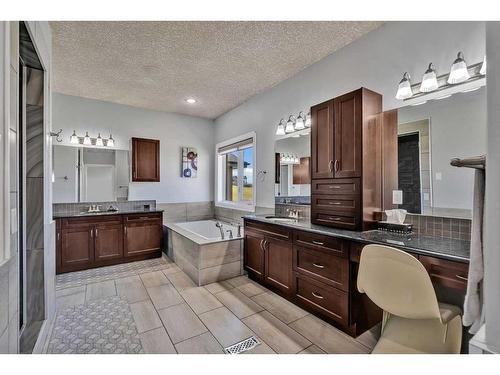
110	142
74	138
308	120
98	140
281	127
429	80
86	139
483	67
404	88
300	123
458	71
290	125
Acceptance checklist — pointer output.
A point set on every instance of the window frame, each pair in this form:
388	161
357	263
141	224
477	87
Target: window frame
220	177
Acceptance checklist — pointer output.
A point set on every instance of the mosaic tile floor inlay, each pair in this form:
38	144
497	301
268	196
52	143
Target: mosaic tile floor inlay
99	327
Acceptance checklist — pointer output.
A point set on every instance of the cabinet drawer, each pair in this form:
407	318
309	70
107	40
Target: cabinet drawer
333	245
335	219
445	272
322	265
269	230
146	217
78	222
335	186
323	299
348	203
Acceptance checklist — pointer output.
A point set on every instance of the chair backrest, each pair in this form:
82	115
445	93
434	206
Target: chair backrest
397	282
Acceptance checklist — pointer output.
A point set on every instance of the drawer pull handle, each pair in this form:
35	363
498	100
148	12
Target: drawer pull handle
334	203
335	186
335	218
461	278
317	295
318	265
318	243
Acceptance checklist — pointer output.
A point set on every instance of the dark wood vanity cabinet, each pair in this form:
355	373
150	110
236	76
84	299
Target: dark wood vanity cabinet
143	234
346	160
268	256
88	242
145	160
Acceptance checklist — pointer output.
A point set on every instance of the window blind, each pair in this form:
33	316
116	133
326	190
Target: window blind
240	145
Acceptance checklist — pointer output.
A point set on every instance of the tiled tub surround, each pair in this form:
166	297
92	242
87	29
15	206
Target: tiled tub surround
74	209
205	260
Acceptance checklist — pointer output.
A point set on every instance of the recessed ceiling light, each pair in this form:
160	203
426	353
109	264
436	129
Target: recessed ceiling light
191	100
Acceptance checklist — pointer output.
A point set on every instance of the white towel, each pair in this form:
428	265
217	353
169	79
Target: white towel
473	304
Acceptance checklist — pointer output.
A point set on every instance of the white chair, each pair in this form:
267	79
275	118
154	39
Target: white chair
413	320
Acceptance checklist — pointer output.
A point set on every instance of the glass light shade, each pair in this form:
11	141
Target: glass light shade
429	80
290	125
111	141
86	139
458	71
483	67
281	128
74	138
300	123
98	141
404	88
308	120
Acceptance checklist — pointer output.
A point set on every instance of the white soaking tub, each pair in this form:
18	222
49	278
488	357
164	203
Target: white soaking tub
198	249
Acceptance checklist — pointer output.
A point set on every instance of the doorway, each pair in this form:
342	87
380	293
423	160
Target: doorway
409	172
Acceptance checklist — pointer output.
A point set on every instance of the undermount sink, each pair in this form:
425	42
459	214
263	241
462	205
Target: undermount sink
282	219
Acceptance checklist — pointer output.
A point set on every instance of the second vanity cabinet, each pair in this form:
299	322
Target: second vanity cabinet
88	242
319	272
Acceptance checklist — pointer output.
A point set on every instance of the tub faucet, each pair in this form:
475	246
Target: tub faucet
219	225
230	234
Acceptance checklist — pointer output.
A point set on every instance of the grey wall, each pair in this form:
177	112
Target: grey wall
457	129
173	130
376	61
492	214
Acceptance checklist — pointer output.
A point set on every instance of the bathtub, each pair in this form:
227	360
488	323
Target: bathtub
198	249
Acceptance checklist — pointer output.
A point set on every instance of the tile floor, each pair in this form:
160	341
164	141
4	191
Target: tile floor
153	307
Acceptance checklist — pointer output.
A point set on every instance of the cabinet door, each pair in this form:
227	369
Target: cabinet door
322	155
108	242
253	255
145	160
142	237
301	172
77	248
279	264
348	141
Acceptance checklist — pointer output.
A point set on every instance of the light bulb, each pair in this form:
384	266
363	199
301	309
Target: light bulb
111	141
300	123
308	120
429	80
290	125
86	139
281	128
98	141
483	67
74	138
458	70
404	88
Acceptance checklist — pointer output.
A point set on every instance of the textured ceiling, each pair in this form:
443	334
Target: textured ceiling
157	65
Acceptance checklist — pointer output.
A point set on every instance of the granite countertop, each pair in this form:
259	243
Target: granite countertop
61	215
439	247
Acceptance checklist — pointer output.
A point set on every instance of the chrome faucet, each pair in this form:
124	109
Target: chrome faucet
219	225
230	234
293	213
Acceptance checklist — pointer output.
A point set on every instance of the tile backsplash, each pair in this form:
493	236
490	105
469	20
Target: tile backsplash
436	226
75	208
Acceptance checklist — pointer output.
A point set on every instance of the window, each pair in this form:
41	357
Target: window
235	182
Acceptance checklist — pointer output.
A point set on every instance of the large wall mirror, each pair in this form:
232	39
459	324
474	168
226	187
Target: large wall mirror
292	174
429	136
84	174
